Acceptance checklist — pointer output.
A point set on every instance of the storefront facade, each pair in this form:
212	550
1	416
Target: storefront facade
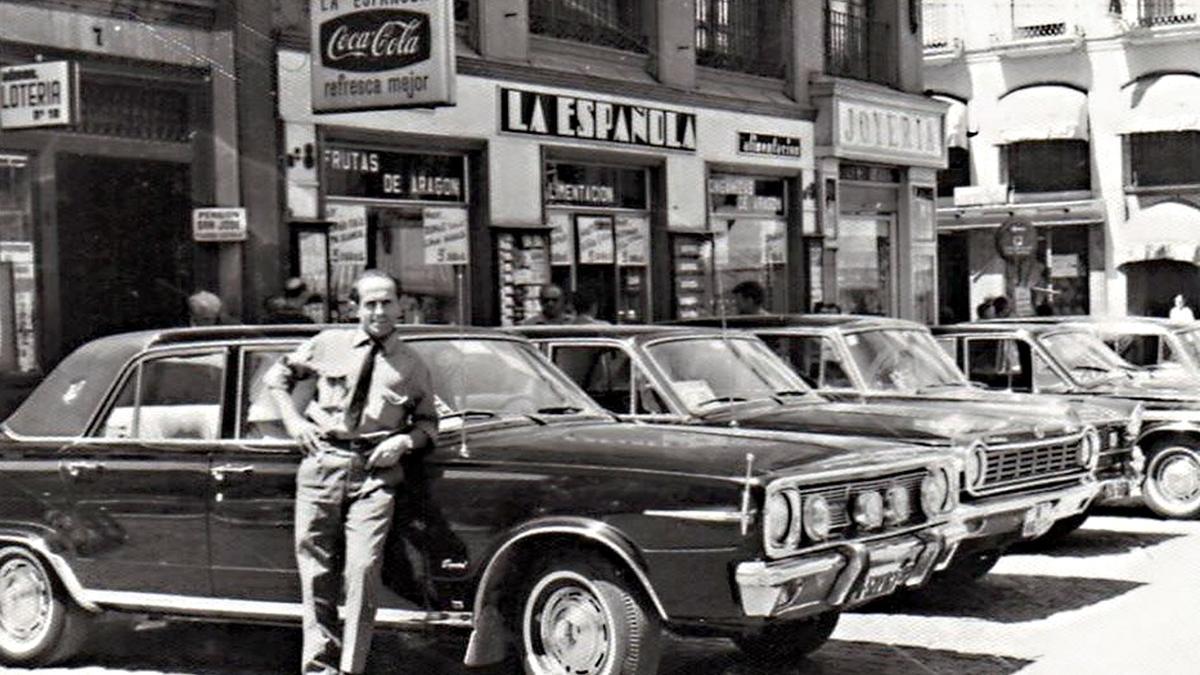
653	208
879	152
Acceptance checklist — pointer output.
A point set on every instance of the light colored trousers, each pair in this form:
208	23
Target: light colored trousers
342	520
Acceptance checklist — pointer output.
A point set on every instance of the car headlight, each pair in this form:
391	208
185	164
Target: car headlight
975	464
935	493
1134	427
817	518
778	519
897	505
1089	447
868	510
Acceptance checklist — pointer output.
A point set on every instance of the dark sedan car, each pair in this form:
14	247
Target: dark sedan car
1043	356
872	359
1021	473
150	473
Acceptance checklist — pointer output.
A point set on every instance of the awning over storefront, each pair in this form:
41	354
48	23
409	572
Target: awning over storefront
956	122
1163	103
1043	113
1166	231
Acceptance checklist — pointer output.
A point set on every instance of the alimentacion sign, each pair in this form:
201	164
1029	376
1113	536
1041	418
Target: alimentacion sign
382	54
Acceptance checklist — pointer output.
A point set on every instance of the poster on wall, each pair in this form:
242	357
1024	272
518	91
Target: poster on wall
19	256
595	239
562	249
383	58
347	246
774	246
445	230
633	240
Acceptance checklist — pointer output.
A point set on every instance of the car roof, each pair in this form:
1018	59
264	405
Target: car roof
1148	325
76	388
750	321
636	332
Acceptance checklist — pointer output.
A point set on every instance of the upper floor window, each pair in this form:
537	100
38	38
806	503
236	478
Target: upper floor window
1038	19
1166	12
856	44
956	174
1049	166
741	35
1164	158
609	23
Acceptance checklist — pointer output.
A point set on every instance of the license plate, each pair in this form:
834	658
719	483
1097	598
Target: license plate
1038	520
1116	490
880	583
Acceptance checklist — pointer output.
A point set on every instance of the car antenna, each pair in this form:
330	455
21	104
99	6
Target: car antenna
463	451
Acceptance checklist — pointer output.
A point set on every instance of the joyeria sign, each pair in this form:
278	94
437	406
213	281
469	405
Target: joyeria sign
383	57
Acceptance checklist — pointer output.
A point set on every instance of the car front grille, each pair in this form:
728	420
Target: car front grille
841	500
1018	465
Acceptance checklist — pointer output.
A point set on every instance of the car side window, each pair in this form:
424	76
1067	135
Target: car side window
815	360
950	346
260	419
999	363
604	373
173	397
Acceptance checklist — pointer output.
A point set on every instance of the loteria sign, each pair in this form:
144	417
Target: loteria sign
382	54
39	95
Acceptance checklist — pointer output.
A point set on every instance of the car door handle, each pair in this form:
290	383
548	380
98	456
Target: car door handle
78	470
220	473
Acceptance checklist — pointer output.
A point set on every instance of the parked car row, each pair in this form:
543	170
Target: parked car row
591	488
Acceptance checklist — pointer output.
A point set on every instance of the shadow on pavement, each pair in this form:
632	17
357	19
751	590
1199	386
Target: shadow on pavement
836	658
1006	598
1091	543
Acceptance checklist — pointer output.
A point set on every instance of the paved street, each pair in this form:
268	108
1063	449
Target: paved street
1120	595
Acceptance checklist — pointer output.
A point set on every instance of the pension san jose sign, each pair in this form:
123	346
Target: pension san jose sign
382	54
36	95
562	116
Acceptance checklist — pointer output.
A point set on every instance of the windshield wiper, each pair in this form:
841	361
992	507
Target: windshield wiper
792	392
722	399
491	414
559	410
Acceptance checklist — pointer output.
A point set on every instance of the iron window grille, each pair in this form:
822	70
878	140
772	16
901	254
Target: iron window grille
741	35
608	23
1153	13
857	46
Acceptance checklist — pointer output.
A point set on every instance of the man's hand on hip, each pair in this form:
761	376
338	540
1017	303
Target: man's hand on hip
389	451
308	434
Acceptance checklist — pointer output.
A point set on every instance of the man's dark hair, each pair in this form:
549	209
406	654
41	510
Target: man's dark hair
372	274
751	290
1000	304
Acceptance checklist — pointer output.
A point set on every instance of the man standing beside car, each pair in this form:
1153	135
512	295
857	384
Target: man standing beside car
373	404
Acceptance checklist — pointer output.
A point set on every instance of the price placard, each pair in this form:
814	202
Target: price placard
445	231
595	239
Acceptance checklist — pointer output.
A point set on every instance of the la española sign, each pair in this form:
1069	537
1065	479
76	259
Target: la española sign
382	54
563	116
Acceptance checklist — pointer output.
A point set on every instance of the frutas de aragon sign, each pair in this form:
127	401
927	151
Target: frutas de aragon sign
382	54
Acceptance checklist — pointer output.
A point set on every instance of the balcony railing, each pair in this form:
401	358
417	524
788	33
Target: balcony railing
1042	30
608	23
746	36
857	47
1155	13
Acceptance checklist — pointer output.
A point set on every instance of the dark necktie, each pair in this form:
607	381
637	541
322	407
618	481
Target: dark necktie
358	400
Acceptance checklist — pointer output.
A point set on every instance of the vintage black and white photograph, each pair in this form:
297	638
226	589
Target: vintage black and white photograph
599	337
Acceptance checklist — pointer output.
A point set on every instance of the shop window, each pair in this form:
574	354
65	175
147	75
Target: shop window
1049	166
748	215
609	23
170	398
428	290
1167	158
956	174
864	267
18	269
741	35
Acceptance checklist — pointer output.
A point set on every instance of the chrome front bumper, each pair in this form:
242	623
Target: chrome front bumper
848	574
996	515
1128	485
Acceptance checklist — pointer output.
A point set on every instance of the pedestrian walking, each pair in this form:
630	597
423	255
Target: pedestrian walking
204	309
1180	312
553	308
373	405
585	306
748	297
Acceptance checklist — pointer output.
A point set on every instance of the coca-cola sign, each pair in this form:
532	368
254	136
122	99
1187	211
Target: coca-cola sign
375	40
366	55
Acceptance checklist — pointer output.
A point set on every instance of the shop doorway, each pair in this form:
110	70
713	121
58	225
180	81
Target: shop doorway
124	245
1153	284
954	277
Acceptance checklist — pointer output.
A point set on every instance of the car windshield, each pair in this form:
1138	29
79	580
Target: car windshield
902	360
488	377
705	372
1086	356
1189	342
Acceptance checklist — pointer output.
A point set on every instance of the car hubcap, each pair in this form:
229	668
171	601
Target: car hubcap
573	631
1178	478
24	604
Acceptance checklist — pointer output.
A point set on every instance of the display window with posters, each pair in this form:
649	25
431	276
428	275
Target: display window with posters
405	213
18	282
